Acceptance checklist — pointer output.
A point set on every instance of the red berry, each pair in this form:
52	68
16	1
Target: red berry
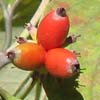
61	62
27	56
53	29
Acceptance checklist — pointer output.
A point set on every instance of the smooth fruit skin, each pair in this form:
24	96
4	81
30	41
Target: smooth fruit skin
27	56
61	63
53	30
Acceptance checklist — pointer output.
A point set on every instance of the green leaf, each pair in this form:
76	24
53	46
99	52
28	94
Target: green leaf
61	89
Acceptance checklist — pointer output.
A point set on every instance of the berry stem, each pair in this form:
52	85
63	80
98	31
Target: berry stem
71	39
25	87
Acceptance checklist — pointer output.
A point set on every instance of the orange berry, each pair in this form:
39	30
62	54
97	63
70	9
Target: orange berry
27	56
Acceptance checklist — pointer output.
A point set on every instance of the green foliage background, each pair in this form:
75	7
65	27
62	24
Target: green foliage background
85	20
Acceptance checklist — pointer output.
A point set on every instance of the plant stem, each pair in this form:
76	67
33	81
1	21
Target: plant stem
39	12
8	15
25	87
38	90
8	35
8	29
14	6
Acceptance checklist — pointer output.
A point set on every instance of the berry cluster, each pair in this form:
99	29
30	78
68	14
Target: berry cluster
51	37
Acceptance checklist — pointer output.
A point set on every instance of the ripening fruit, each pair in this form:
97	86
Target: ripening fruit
53	29
61	63
27	56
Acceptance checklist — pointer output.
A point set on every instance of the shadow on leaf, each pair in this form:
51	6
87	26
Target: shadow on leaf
61	89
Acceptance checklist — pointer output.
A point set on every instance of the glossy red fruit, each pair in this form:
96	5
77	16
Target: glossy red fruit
27	56
53	29
61	62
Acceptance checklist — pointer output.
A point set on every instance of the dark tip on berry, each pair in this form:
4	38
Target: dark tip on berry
21	40
76	68
28	26
11	55
61	12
